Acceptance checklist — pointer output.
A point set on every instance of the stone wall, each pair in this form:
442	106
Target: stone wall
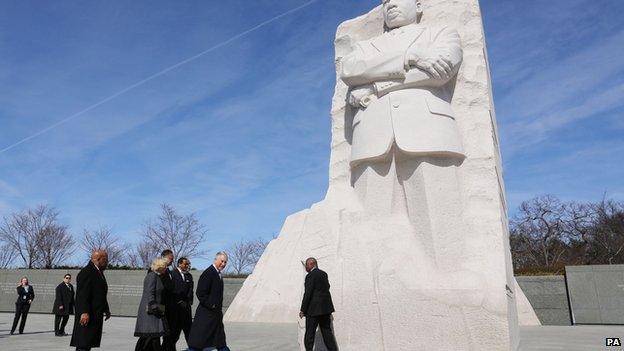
596	295
124	289
547	295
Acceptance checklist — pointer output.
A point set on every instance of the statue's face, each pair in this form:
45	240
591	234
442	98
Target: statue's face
399	13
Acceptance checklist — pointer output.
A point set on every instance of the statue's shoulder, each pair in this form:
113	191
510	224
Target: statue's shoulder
443	28
365	42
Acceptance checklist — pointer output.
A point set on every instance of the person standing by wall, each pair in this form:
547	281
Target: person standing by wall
63	305
25	296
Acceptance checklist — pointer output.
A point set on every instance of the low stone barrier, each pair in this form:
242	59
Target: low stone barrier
596	294
124	288
547	295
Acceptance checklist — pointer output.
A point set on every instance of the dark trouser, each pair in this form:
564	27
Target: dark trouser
170	340
187	321
324	322
59	324
180	319
148	343
77	349
21	311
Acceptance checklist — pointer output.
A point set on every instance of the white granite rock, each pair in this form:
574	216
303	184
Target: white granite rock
395	285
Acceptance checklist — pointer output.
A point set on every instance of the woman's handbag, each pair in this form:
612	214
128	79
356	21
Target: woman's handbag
155	309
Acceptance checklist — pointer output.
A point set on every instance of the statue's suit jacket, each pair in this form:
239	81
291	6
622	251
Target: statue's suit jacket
410	108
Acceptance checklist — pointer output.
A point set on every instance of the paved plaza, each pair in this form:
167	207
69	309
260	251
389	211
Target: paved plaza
118	335
118	332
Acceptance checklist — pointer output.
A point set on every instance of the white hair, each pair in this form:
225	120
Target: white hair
158	263
221	254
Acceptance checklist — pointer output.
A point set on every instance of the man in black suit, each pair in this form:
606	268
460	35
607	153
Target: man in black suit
91	303
182	295
317	307
207	329
63	305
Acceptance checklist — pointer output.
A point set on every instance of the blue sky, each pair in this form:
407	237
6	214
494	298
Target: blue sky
241	134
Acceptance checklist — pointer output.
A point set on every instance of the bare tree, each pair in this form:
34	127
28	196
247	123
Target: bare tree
55	245
548	233
579	224
259	247
7	255
538	232
28	233
103	239
142	255
244	255
181	233
607	236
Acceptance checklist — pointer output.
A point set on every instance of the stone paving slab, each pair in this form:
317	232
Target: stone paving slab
118	335
573	338
118	331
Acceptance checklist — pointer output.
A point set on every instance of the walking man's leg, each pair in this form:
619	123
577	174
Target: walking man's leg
327	332
186	324
57	325
310	333
63	324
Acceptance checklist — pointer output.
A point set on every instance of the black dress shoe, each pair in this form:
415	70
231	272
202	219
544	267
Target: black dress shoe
12	333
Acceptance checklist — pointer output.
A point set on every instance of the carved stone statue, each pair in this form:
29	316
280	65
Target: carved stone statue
405	137
401	84
413	229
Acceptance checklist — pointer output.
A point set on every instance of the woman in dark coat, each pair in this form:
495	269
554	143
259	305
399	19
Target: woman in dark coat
150	323
63	305
25	296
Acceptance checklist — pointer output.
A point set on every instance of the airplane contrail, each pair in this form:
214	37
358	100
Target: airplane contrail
155	75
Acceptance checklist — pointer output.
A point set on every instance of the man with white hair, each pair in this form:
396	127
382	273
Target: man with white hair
207	331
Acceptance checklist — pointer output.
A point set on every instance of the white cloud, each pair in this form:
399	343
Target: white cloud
568	91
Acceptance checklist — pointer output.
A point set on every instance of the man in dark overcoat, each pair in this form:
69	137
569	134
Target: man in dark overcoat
167	299
207	329
91	303
317	307
63	305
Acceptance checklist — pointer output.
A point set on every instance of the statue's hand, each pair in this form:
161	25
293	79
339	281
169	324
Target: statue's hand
437	65
360	96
